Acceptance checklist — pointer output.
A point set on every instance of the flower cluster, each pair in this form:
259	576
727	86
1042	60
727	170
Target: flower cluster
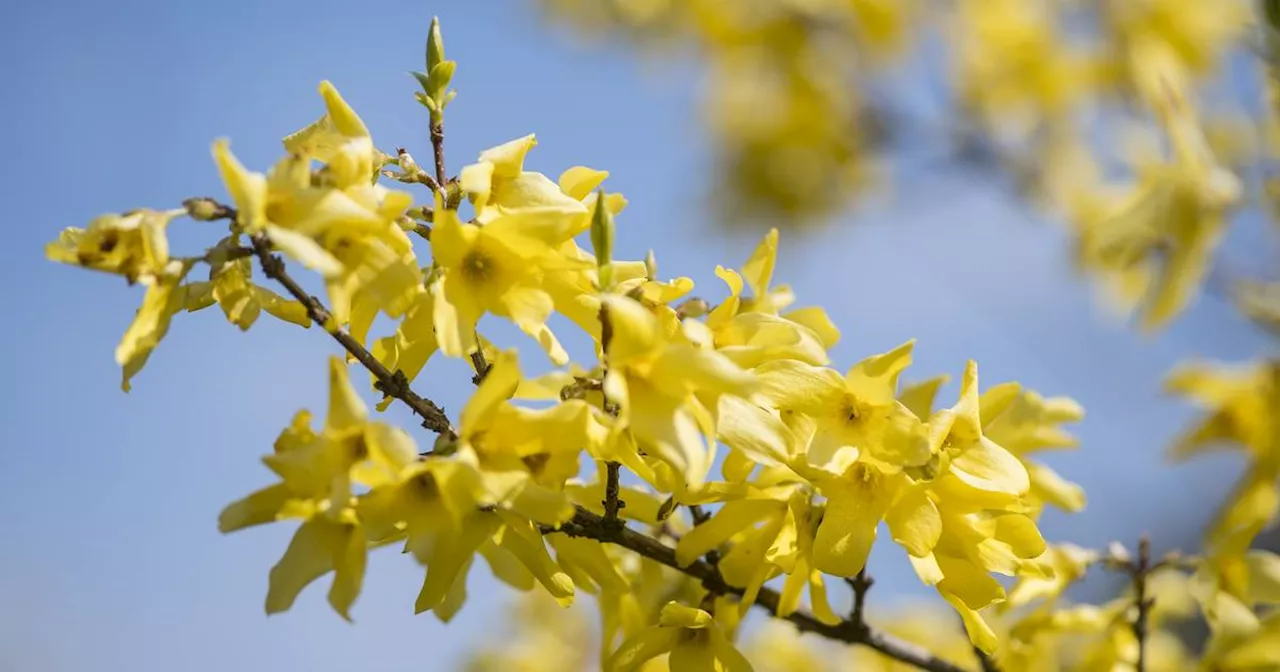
731	411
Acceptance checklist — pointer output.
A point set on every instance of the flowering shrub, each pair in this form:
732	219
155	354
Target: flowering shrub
706	445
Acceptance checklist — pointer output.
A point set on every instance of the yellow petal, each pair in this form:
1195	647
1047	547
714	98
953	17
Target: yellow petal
986	466
282	308
758	270
980	634
525	542
318	547
508	158
732	518
449	556
918	397
692	654
579	181
876	378
914	521
816	320
304	250
497	387
730	659
1021	534
848	528
754	431
248	190
635	330
1047	485
260	507
676	615
796	386
149	326
641	648
345	119
346	409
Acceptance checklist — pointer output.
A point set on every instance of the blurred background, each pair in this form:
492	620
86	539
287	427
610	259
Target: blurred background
112	559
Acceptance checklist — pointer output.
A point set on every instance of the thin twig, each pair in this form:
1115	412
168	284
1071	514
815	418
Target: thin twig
480	363
984	661
437	148
612	502
588	525
1140	572
860	585
391	384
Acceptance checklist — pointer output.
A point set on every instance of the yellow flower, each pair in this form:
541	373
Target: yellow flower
165	296
1153	241
1256	649
1231	584
691	637
412	344
751	330
1241	403
858	499
316	472
498	185
133	244
852	416
528	453
663	389
1023	422
231	286
496	268
974	469
1015	70
1196	33
340	139
446	515
1062	565
338	223
772	532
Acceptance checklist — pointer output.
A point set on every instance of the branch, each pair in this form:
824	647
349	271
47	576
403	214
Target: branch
860	585
1143	603
392	384
612	503
588	525
437	148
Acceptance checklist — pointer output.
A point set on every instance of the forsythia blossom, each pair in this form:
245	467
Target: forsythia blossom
727	406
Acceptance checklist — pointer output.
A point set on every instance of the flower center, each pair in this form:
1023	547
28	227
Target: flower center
477	266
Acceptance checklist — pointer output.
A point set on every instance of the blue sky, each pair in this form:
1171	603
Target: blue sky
112	559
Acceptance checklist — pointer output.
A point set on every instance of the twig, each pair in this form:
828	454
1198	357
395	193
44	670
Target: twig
392	384
612	502
588	525
860	585
437	148
984	661
1140	573
480	364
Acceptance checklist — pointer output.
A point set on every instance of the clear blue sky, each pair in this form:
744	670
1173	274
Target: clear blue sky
112	560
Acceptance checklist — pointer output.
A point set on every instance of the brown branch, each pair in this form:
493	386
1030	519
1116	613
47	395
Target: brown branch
860	585
437	148
984	661
1140	572
392	384
612	502
588	525
480	363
